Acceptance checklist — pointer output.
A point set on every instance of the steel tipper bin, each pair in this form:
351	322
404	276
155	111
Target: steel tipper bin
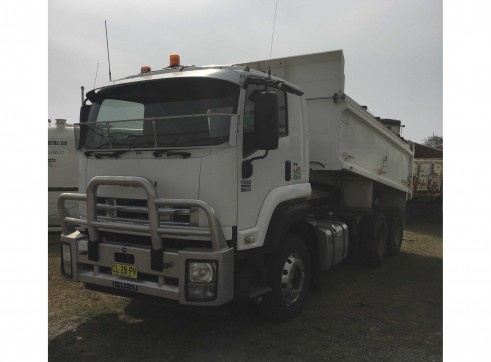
196	276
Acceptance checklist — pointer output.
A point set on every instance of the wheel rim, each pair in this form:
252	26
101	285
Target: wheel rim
292	278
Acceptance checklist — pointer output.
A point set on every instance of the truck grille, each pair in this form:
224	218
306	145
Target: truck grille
161	220
136	211
119	209
169	243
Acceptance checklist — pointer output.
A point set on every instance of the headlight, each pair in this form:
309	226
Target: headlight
66	260
201	280
200	272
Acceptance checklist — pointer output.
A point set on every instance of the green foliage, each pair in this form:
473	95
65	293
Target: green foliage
434	141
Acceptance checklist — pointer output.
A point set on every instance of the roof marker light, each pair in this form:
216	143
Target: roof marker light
145	69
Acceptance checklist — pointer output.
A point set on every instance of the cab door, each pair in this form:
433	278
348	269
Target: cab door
273	171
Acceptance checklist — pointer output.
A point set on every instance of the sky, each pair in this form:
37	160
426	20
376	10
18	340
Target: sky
392	48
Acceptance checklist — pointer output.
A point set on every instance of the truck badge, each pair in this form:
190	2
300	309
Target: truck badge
297	171
125	286
245	185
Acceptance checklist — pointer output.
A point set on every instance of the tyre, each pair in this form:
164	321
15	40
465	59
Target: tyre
395	233
375	239
289	276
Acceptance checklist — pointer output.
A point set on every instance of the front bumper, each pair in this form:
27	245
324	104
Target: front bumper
161	272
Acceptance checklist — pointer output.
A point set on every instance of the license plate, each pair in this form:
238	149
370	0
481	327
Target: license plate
124	270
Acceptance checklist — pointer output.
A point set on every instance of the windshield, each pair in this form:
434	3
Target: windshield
178	112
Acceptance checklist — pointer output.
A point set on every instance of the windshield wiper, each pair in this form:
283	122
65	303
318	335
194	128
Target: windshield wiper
100	154
210	141
183	154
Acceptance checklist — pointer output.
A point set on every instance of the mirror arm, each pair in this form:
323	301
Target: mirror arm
258	158
247	165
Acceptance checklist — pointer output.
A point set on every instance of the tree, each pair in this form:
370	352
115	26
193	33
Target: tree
434	141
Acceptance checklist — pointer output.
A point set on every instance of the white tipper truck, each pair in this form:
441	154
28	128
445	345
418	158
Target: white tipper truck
207	184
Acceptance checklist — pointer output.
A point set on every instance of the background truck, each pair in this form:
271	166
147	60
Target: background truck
204	184
428	179
62	169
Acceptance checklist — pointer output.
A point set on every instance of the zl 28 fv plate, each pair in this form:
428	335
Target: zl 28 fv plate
124	270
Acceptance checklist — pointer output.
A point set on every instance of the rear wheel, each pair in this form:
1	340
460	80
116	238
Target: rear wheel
395	233
289	276
376	236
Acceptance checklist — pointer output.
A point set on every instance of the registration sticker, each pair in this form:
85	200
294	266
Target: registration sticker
124	270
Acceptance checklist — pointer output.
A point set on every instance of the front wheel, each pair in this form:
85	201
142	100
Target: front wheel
289	276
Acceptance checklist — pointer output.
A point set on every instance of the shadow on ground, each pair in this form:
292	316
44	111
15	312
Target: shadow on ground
391	313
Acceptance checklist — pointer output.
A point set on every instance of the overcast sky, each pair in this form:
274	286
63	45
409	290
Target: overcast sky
392	48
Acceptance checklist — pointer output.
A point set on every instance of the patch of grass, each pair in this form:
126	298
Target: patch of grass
389	313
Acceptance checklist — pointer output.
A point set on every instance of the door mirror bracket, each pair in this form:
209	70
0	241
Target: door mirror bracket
247	168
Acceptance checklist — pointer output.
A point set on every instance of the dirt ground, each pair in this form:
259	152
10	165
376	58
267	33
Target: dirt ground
391	313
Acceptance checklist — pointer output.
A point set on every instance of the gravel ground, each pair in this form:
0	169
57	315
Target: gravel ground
391	313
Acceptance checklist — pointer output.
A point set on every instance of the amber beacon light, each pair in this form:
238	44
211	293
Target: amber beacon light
145	69
175	61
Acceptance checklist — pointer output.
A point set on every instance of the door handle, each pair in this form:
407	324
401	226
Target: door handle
288	170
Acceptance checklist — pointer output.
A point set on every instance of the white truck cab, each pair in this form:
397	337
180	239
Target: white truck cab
203	184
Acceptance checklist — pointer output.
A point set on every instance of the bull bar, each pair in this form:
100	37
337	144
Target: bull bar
156	229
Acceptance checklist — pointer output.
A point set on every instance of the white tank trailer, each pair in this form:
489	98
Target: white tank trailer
62	169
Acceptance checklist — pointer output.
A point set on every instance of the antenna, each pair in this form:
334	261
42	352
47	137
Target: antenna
271	48
107	44
96	75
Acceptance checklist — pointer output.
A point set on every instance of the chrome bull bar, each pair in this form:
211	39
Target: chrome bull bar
154	227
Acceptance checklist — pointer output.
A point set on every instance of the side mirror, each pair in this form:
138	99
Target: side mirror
80	132
84	112
266	120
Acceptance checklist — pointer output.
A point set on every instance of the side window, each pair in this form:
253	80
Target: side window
249	137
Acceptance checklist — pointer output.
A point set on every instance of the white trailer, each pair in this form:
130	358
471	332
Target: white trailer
213	183
62	169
